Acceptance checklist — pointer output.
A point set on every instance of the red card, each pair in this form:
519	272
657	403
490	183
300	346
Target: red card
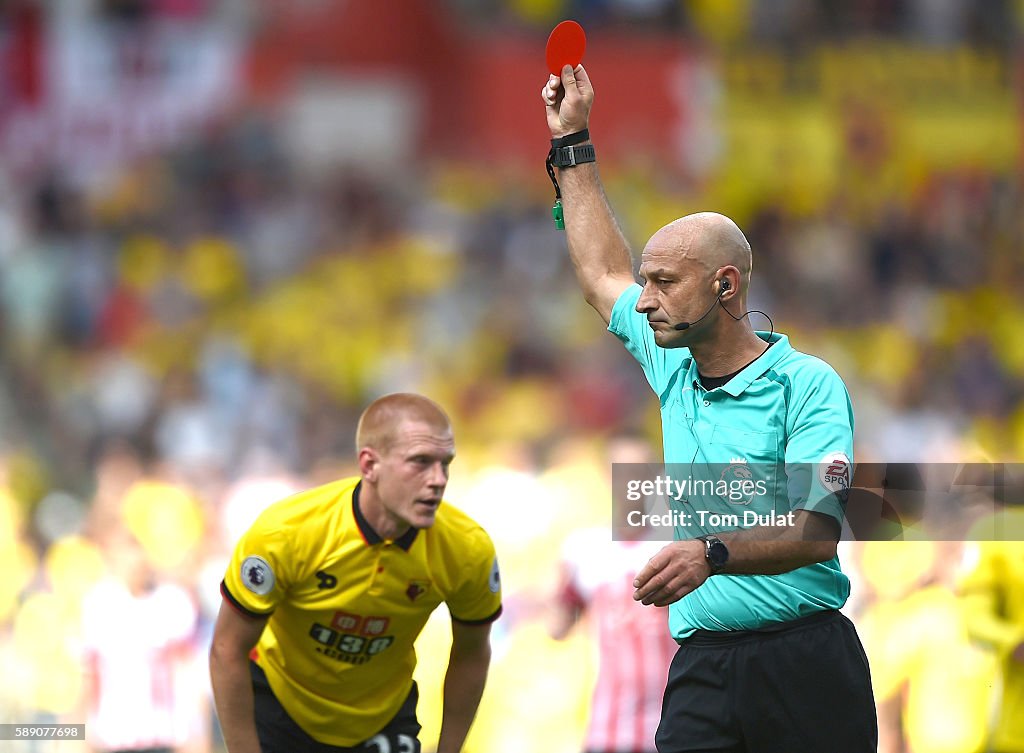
565	46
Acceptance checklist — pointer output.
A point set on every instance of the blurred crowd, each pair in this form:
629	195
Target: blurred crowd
776	22
192	336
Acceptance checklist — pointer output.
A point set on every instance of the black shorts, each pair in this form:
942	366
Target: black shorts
798	687
279	733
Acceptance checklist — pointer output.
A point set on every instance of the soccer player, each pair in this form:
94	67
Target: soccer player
633	646
326	593
766	661
993	595
137	639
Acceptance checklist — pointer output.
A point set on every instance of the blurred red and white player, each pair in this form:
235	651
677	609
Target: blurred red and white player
137	644
633	642
634	645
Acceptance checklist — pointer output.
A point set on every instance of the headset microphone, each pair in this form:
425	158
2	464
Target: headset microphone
723	287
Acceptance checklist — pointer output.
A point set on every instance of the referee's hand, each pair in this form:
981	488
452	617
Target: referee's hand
567	101
672	573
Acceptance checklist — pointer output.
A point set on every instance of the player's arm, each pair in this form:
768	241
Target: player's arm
464	682
567	605
598	250
233	638
890	727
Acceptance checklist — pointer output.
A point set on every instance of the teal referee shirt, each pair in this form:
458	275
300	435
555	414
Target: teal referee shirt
787	417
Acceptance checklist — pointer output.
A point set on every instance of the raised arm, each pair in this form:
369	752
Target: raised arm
598	249
234	636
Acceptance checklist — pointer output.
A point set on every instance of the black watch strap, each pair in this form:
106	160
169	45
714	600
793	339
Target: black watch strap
570	156
571	139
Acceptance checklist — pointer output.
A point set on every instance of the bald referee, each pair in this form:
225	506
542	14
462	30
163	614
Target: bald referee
326	593
766	663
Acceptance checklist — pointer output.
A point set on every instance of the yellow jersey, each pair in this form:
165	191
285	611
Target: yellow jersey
345	606
993	600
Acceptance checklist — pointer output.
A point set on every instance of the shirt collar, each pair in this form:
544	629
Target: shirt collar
739	383
370	536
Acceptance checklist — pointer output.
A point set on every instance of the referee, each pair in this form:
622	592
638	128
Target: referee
327	592
766	664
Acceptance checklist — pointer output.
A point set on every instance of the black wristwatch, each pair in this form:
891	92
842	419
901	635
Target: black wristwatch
715	552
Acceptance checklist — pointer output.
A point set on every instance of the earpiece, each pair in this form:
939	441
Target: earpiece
724	286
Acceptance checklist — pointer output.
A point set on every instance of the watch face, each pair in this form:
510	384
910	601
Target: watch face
718	553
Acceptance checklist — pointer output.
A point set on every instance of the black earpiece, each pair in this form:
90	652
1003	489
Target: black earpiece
724	286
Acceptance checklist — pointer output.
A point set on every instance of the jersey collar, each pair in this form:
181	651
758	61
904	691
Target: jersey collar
370	536
739	383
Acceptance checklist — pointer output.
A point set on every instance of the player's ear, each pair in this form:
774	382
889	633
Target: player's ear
369	461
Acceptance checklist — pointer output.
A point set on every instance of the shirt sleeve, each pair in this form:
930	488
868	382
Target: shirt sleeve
632	329
258	576
819	443
477	600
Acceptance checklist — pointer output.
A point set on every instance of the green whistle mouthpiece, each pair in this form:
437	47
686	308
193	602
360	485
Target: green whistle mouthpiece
556	213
